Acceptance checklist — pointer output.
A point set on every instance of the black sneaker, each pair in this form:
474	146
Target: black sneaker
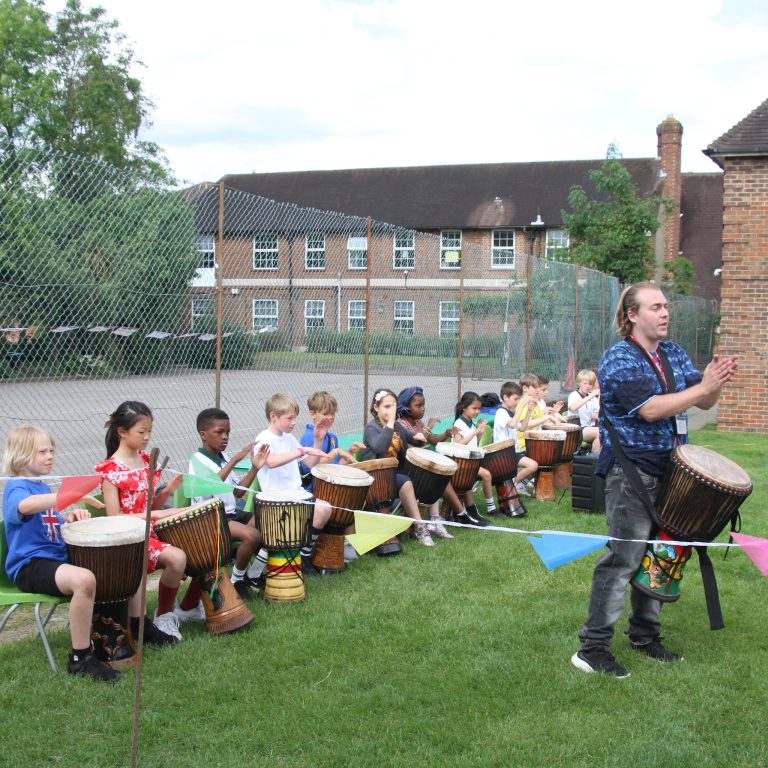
307	569
464	519
243	589
88	665
257	585
477	518
598	661
154	636
655	650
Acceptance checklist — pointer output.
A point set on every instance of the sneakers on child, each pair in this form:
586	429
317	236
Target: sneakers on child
437	529
168	623
243	589
522	489
308	570
655	650
350	553
476	517
598	660
422	535
87	665
193	614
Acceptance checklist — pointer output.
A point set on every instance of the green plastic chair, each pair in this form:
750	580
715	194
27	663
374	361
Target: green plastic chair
487	437
249	501
11	597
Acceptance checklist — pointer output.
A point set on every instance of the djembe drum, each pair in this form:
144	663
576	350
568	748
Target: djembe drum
701	494
430	473
467	460
501	461
284	519
381	495
564	470
545	446
203	534
345	489
113	549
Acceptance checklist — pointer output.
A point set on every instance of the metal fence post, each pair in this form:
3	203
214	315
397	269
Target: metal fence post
368	316
219	291
459	353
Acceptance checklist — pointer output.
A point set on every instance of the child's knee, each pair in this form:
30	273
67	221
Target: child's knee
174	559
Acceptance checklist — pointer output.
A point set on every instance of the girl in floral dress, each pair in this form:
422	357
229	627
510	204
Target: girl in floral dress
125	486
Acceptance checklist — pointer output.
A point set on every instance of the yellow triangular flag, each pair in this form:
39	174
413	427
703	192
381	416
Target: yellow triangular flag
372	529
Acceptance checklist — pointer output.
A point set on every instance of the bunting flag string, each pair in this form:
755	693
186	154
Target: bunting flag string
554	548
74	488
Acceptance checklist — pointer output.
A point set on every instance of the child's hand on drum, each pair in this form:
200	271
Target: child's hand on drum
312	451
259	456
79	514
355	447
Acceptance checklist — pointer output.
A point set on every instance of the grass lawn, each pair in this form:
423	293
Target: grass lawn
456	656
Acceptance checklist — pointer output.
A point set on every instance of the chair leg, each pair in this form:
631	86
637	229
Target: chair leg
43	637
8	615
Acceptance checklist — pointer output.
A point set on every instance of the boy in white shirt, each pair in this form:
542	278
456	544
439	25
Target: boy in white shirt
281	468
506	424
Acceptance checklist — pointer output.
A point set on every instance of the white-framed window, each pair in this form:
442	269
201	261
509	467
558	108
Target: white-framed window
202	308
265	251
449	318
314	255
404	254
356	315
265	314
205	274
206	249
357	252
404	317
314	314
557	243
450	249
503	251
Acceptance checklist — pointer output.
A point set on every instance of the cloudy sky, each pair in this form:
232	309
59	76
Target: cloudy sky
257	85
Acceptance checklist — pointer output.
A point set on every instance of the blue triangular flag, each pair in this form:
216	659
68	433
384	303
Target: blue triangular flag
556	549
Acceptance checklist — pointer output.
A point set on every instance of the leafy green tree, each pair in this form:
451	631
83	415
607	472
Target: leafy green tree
614	232
66	83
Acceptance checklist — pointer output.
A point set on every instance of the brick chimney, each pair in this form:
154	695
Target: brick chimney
670	140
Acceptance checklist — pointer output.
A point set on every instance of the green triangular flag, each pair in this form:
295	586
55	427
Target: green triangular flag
204	481
372	529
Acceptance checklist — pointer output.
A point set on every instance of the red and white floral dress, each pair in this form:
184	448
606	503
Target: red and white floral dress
132	487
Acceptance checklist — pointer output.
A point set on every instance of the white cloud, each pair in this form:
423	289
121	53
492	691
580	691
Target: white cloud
303	84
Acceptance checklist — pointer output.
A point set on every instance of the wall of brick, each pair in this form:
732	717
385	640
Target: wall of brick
744	307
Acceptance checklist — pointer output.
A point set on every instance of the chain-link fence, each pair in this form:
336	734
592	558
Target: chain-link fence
186	299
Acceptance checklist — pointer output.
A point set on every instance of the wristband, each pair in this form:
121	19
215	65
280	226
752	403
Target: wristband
302	451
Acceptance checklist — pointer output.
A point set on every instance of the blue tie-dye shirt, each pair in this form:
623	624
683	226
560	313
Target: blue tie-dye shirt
628	380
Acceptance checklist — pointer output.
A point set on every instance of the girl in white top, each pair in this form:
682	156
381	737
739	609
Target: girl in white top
467	433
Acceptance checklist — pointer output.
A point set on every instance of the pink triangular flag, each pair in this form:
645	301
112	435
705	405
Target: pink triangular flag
74	488
755	549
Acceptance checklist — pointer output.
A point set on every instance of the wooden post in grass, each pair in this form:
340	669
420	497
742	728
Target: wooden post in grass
368	316
460	350
143	592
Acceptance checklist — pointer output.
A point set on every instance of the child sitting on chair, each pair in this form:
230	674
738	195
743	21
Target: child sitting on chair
37	556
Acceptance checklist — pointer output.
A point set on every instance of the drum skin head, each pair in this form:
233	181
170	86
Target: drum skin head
710	464
104	531
372	465
502	445
545	434
295	496
459	451
341	474
431	461
562	428
191	512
